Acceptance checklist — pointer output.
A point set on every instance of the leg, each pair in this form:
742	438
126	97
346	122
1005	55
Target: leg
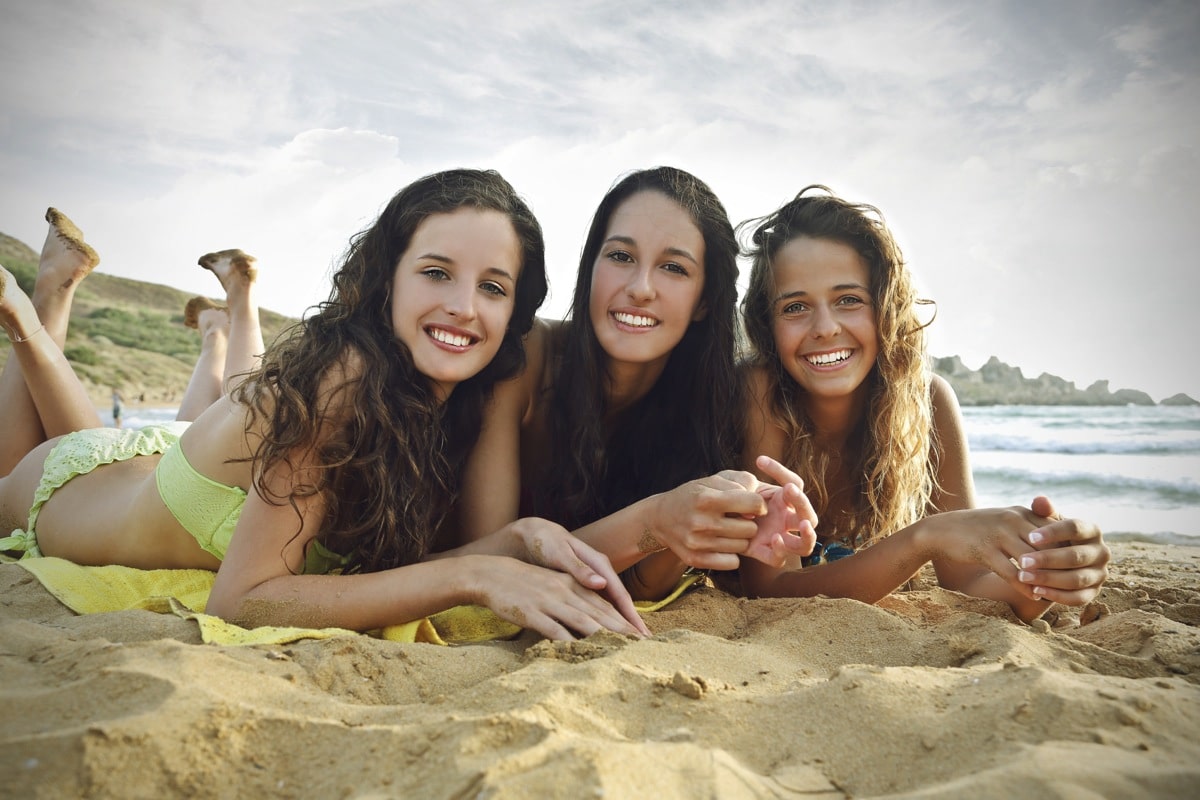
205	386
66	260
238	274
39	391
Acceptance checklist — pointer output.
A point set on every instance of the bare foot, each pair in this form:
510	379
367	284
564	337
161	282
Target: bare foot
229	265
195	309
66	258
17	314
213	319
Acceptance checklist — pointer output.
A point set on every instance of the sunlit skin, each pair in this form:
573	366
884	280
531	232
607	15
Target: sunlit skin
646	285
824	321
458	278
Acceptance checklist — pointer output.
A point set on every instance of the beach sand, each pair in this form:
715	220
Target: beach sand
928	694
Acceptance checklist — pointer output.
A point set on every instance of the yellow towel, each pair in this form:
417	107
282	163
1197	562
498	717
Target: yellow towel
184	592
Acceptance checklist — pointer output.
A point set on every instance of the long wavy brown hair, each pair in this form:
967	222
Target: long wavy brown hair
895	451
683	428
390	466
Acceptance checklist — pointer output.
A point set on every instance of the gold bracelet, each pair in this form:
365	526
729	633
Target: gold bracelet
19	340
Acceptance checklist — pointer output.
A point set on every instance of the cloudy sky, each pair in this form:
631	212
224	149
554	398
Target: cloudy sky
1038	160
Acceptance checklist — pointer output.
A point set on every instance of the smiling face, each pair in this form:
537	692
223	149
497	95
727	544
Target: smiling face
823	317
647	280
452	293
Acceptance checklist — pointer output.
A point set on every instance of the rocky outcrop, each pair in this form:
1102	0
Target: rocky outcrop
1180	399
997	383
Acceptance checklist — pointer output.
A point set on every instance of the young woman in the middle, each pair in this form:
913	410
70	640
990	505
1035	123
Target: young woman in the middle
622	425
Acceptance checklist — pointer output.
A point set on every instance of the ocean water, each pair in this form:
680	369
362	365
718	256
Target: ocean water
1132	470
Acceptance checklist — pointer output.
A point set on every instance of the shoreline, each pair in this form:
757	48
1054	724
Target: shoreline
927	694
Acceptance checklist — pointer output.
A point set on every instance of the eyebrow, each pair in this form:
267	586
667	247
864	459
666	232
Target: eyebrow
841	287
674	251
448	260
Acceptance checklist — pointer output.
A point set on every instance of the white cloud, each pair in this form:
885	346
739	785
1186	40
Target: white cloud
1040	169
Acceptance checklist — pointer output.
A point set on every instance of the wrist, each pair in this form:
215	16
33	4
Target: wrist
925	538
469	578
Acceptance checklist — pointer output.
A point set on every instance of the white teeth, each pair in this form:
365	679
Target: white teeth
634	320
825	359
449	338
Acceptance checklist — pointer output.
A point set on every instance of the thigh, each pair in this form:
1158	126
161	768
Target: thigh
18	487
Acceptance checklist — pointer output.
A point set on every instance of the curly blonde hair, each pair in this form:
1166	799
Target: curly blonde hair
895	467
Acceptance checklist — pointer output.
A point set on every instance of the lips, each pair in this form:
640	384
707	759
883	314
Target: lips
635	320
831	359
454	338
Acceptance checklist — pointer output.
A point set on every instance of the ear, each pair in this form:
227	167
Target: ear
701	311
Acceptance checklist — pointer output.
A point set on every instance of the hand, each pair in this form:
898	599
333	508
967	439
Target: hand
788	511
547	544
551	602
707	523
990	538
1070	562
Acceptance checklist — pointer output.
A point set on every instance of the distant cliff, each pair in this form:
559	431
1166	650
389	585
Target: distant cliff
996	383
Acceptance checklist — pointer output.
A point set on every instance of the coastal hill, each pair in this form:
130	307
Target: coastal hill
124	333
130	334
997	383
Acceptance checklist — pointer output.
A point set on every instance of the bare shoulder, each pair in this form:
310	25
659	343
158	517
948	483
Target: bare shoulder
947	416
754	377
941	393
514	398
764	432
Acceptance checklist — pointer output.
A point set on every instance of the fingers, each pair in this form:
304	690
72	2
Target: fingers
778	472
718	561
566	614
1042	506
614	590
591	573
1062	532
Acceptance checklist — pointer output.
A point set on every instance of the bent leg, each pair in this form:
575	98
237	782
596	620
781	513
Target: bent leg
238	275
39	390
205	386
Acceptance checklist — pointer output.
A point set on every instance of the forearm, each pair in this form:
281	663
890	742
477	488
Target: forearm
867	576
355	602
626	536
654	576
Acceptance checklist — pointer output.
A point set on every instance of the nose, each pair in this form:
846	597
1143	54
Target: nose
460	302
825	323
640	287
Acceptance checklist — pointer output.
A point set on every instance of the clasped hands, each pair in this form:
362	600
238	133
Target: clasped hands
710	522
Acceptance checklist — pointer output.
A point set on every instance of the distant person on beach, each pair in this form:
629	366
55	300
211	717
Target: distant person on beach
841	392
116	407
340	453
624	424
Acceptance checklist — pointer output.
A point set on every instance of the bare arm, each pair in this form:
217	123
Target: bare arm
1071	566
491	491
258	584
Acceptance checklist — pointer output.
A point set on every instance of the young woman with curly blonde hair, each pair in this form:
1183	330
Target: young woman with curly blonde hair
840	392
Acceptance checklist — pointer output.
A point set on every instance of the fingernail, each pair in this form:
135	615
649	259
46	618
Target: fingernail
1025	577
1039	590
1036	537
1027	562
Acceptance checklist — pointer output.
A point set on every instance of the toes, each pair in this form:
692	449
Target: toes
70	235
239	263
191	312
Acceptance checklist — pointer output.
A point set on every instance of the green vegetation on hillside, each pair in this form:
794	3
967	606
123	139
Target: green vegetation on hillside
125	333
